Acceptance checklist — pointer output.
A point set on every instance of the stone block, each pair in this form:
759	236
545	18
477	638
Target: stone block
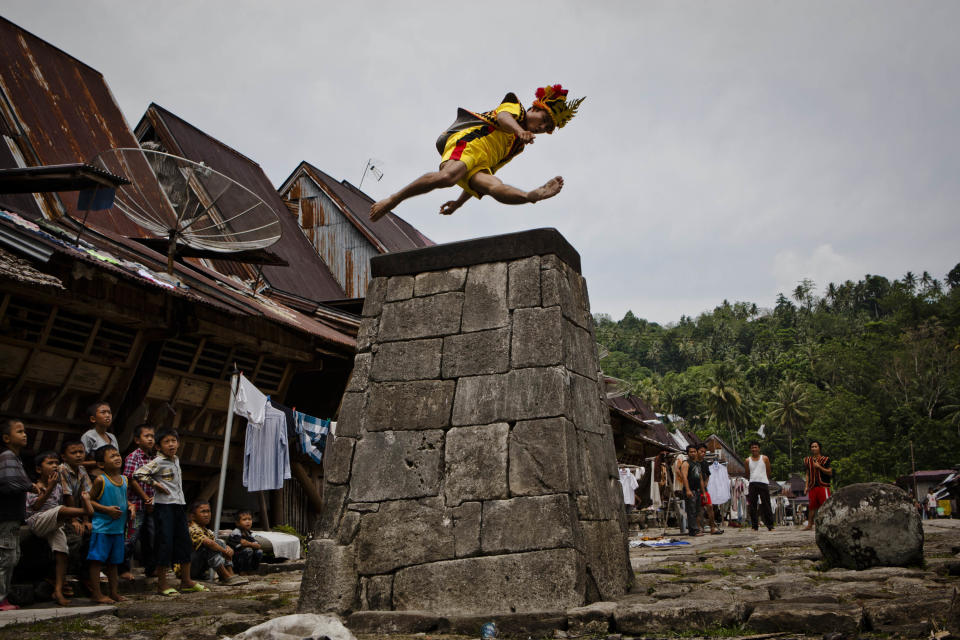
476	463
579	350
337	460
477	353
521	394
360	376
543	457
608	559
329	582
334	503
685	614
404	533
351	417
552	282
409	405
772	617
466	528
593	618
380	622
485	302
367	333
540	624
513	583
432	282
408	360
393	465
584	404
523	287
399	288
376	294
535	338
349	526
426	317
600	494
528	524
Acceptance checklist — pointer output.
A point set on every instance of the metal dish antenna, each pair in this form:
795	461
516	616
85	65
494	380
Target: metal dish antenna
189	203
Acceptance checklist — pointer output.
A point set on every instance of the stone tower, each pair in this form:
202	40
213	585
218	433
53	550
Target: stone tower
473	469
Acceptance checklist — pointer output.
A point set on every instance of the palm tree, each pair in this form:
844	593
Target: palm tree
791	410
724	402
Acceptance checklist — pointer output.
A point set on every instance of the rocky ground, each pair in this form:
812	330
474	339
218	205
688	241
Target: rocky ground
739	584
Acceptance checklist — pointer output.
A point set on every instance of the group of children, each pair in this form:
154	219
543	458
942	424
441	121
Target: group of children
89	492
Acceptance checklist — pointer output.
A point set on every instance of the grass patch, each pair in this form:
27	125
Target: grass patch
152	623
55	625
717	631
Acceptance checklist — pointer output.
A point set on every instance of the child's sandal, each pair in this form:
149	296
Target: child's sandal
170	593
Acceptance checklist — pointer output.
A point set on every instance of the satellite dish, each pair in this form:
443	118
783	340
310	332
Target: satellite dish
617	387
189	203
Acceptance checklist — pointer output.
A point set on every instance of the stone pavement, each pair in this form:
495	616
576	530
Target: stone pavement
739	584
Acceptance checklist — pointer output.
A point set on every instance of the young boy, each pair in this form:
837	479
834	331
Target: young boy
74	480
14	485
169	512
209	552
477	144
45	516
109	500
100	417
246	550
141	525
819	472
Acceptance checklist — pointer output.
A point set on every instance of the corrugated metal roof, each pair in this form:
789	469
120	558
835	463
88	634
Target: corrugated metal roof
390	233
307	276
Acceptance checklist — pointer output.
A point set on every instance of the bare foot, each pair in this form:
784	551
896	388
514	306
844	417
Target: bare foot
550	189
102	600
117	597
126	575
60	600
381	208
808	527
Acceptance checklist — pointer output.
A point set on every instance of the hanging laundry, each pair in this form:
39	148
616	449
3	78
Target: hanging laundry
312	434
266	456
655	500
629	485
718	486
250	402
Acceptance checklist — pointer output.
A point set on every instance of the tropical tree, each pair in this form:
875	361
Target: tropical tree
723	400
790	410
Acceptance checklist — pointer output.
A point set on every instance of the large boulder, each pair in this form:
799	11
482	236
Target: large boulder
869	525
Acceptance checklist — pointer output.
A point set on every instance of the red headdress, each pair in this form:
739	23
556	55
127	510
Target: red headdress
553	99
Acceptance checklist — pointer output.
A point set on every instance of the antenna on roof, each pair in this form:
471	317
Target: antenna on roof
373	166
189	203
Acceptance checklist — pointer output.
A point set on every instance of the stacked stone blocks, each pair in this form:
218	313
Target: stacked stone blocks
474	469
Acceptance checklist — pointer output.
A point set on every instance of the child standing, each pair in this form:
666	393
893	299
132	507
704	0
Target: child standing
141	526
14	484
169	510
45	516
209	552
246	550
100	417
74	480
109	500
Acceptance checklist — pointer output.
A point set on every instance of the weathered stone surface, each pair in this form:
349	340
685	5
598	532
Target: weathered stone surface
810	618
476	463
367	333
523	288
512	583
338	459
593	618
439	282
330	579
404	533
334	503
906	610
583	405
535	333
870	524
543	457
376	592
409	360
541	624
565	287
579	350
392	465
485	304
351	417
426	317
349	525
420	404
466	528
608	563
675	615
399	288
521	394
528	524
477	353
390	622
601	497
551	282
376	294
360	376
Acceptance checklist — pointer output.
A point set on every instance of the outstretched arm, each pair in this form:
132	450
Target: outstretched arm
451	206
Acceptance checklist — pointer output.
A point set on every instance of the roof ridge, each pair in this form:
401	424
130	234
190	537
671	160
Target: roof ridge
204	133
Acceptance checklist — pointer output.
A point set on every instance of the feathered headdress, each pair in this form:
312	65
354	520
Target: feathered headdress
553	99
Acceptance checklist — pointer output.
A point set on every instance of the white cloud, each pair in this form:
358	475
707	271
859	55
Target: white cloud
823	265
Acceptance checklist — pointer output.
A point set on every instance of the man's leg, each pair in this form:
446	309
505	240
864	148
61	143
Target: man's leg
451	172
490	185
690	502
752	492
765	511
9	556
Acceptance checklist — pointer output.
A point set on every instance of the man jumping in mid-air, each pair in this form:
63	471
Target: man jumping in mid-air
476	145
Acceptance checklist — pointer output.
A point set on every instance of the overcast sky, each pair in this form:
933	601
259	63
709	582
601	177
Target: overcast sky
725	149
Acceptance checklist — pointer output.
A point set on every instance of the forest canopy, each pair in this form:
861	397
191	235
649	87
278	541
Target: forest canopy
866	368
